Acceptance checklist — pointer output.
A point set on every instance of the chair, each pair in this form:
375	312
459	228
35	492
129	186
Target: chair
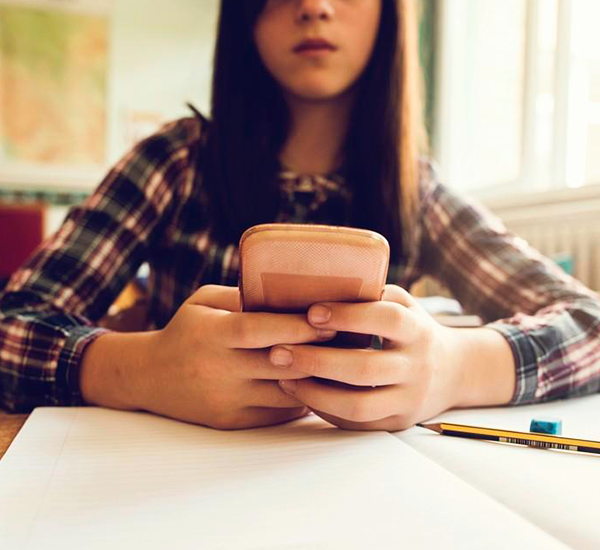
21	232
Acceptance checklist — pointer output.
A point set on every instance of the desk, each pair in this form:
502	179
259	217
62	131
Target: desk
10	424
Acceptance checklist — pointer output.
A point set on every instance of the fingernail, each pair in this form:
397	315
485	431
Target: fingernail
281	357
323	333
288	386
319	314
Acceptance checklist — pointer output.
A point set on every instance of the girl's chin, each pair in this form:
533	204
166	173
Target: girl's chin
316	93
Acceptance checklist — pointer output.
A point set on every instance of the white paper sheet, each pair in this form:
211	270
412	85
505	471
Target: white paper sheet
94	478
555	490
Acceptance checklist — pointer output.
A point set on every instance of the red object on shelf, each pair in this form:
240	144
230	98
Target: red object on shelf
21	231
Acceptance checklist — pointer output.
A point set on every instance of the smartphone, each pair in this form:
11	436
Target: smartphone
286	268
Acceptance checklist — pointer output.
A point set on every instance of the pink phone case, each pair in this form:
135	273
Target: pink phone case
288	267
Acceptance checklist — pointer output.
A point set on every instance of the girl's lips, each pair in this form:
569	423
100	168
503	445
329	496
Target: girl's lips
314	46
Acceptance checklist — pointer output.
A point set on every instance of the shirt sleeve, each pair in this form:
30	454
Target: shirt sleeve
551	321
50	307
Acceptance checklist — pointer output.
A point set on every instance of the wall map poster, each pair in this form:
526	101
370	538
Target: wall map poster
53	84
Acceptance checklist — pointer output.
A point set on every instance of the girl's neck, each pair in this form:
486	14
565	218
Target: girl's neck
317	132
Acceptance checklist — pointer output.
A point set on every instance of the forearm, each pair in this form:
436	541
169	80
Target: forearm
114	369
485	367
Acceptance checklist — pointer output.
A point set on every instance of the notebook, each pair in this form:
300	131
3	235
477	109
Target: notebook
96	478
553	489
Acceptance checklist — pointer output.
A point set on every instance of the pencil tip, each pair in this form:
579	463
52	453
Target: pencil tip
433	427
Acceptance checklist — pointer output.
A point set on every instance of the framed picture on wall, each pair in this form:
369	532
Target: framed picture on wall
54	67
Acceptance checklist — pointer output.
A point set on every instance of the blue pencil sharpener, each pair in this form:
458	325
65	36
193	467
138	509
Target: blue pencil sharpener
546	425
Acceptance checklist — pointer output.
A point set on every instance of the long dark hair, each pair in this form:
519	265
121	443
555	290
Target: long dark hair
250	124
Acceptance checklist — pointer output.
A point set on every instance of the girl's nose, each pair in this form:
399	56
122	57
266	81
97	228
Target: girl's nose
312	10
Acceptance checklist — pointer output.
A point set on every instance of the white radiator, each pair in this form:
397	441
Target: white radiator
565	223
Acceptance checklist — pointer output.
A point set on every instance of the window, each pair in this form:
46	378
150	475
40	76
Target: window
518	94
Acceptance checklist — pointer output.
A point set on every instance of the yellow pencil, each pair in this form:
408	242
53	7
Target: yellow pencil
529	439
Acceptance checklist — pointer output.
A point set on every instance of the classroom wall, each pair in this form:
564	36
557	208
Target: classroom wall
161	57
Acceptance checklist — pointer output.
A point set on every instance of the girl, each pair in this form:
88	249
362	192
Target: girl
314	119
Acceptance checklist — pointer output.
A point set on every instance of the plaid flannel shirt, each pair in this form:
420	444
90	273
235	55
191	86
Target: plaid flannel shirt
151	208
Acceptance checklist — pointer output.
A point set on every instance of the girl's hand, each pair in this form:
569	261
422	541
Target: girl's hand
411	379
210	365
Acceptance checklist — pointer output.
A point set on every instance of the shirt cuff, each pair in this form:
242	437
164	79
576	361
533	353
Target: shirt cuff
68	392
526	362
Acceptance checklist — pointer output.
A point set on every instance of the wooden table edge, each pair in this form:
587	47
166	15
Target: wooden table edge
10	424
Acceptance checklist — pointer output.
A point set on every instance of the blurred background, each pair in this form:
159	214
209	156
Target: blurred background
512	110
